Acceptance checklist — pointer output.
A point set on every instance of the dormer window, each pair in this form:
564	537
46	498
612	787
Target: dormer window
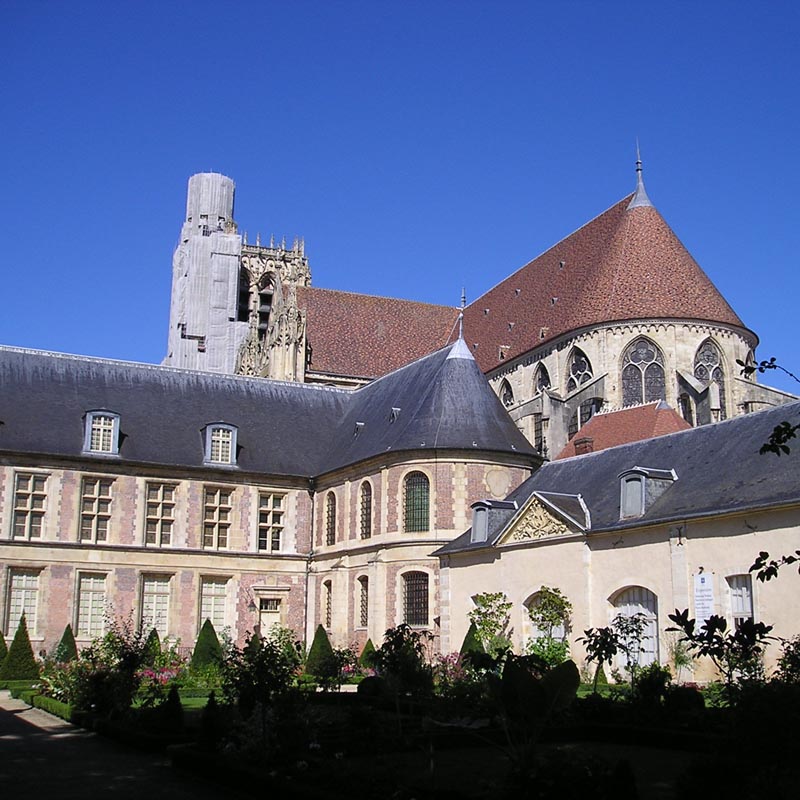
102	433
220	444
480	523
640	487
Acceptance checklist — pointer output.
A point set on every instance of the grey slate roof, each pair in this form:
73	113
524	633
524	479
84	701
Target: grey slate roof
284	429
719	469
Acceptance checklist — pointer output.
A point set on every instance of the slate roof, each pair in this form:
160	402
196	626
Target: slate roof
363	336
284	429
719	470
624	264
627	425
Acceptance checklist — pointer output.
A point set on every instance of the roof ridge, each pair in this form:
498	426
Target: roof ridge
381	297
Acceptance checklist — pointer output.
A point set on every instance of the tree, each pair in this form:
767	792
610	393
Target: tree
367	657
207	650
471	643
66	650
624	635
320	659
491	619
550	610
19	663
601	644
3	648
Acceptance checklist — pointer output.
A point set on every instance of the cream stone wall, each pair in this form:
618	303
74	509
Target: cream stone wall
592	570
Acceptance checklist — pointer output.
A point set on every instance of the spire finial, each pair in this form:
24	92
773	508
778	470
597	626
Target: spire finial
461	312
640	198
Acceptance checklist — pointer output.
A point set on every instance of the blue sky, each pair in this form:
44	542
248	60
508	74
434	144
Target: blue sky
417	146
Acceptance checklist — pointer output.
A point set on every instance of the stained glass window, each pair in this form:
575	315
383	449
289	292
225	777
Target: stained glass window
642	373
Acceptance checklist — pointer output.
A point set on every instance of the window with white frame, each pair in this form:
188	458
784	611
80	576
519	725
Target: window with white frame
363	601
155	603
366	510
102	432
23	598
213	601
740	588
217	514
630	602
30	494
160	514
271	506
95	509
415	598
91	605
221	444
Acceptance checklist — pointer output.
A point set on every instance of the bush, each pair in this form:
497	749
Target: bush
789	662
3	648
152	648
320	657
207	650
550	650
53	706
401	660
650	684
19	663
66	650
471	643
367	657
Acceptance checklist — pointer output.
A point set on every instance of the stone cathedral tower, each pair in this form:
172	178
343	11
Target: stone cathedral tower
229	310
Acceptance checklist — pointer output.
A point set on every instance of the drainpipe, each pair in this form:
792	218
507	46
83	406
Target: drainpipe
309	559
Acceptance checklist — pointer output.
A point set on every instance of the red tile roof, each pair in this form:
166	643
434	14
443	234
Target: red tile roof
363	336
624	264
627	425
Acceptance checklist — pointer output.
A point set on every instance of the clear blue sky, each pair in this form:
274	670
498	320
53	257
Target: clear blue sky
417	146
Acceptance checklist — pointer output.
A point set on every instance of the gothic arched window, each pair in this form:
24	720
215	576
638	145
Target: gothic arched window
506	394
541	379
642	373
580	370
416	502
708	368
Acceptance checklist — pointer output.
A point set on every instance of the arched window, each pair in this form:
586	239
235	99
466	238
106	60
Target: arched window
585	411
628	603
548	614
685	405
708	368
506	394
580	370
327	603
541	379
416	503
365	510
363	601
642	373
330	518
415	598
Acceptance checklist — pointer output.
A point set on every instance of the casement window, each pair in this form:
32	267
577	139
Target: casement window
221	444
30	495
365	508
102	432
95	509
271	506
327	603
91	605
160	514
23	598
415	598
416	503
363	601
217	514
740	589
213	602
330	518
155	604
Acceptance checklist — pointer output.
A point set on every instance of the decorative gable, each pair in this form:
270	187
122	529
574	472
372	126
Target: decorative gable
535	522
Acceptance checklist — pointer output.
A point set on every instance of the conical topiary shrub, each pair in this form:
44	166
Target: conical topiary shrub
19	664
320	655
367	655
472	644
207	650
66	650
3	648
152	647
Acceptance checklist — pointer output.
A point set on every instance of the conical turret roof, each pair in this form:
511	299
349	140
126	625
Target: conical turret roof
625	264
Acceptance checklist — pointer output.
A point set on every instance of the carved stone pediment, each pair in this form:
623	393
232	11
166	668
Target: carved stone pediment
537	522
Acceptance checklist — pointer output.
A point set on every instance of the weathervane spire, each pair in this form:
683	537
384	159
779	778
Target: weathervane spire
461	312
640	198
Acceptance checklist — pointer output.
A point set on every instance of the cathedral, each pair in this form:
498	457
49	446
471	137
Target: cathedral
308	456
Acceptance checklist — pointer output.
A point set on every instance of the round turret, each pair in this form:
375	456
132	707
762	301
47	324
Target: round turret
209	201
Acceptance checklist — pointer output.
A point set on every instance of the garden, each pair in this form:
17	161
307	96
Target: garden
482	722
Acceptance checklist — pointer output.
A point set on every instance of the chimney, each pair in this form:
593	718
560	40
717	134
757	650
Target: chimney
584	445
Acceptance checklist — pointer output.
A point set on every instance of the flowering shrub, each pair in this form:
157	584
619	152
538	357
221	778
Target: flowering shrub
155	683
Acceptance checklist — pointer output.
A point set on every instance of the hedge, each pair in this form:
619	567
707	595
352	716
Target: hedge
53	706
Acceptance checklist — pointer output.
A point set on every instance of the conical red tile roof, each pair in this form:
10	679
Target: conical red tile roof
625	264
